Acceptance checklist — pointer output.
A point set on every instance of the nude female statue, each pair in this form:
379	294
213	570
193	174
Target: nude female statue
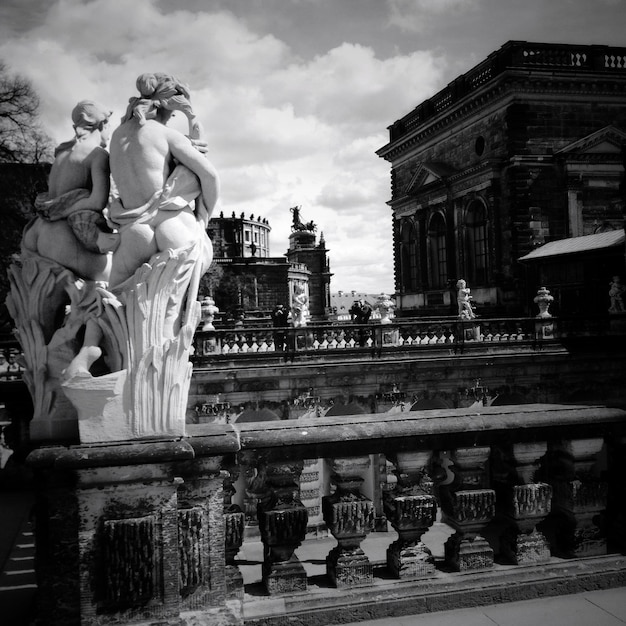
167	191
70	228
156	209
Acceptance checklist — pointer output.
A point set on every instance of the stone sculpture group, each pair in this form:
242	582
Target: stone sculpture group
104	296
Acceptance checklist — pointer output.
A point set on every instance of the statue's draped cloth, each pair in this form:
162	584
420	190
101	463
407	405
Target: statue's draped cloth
180	191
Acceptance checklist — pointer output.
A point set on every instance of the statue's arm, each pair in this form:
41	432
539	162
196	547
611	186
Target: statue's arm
100	181
182	150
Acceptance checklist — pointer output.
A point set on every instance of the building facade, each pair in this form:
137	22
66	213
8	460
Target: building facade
524	149
249	280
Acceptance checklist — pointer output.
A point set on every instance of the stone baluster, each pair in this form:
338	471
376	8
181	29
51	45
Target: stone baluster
282	522
411	509
468	507
234	524
523	503
349	516
579	499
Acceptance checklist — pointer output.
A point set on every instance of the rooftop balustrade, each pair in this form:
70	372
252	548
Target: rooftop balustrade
513	55
417	335
334	519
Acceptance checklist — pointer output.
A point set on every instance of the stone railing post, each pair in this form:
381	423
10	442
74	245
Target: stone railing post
411	509
580	499
130	533
523	503
282	522
349	516
468	507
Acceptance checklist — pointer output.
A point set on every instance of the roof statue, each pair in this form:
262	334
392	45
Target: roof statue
298	225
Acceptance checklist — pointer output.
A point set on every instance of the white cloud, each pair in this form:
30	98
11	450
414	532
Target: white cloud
416	15
281	130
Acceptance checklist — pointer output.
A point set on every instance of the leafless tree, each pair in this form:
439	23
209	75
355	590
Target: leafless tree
21	138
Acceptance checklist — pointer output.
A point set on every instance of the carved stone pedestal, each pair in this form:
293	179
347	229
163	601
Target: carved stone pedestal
282	522
349	516
131	534
411	509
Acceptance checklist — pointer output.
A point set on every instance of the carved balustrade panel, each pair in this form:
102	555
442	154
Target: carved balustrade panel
131	577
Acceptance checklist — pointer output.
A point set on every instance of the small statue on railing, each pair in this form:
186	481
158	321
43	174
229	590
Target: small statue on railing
385	306
616	293
299	307
463	298
543	299
208	311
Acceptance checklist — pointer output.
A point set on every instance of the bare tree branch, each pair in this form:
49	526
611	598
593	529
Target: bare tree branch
21	138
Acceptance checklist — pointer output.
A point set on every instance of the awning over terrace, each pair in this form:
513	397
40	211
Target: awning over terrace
573	245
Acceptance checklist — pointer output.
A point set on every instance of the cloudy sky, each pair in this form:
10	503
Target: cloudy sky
296	95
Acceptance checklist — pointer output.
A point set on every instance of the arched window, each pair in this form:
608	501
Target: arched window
438	252
476	257
408	256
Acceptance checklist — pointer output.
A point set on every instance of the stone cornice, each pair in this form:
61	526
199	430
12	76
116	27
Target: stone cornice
509	85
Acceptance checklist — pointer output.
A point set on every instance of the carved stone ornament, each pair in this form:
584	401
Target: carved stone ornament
143	390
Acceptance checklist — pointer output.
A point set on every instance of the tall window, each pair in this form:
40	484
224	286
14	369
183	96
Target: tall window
476	258
408	256
438	252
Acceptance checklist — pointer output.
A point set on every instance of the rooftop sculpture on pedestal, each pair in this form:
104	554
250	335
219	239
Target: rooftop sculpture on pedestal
117	342
466	310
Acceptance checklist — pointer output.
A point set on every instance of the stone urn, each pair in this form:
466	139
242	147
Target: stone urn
543	299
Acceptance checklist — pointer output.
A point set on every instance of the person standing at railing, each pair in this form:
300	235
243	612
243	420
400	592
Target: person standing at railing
279	320
360	313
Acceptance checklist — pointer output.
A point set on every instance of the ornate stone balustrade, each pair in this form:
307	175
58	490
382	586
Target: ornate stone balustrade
513	55
150	531
449	334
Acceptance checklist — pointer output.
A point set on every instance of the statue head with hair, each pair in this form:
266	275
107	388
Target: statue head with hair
158	91
88	116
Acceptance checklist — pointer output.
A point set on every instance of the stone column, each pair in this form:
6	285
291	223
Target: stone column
524	503
411	509
282	523
468	507
579	500
349	516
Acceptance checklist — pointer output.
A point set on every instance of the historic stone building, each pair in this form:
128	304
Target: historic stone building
253	281
524	149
